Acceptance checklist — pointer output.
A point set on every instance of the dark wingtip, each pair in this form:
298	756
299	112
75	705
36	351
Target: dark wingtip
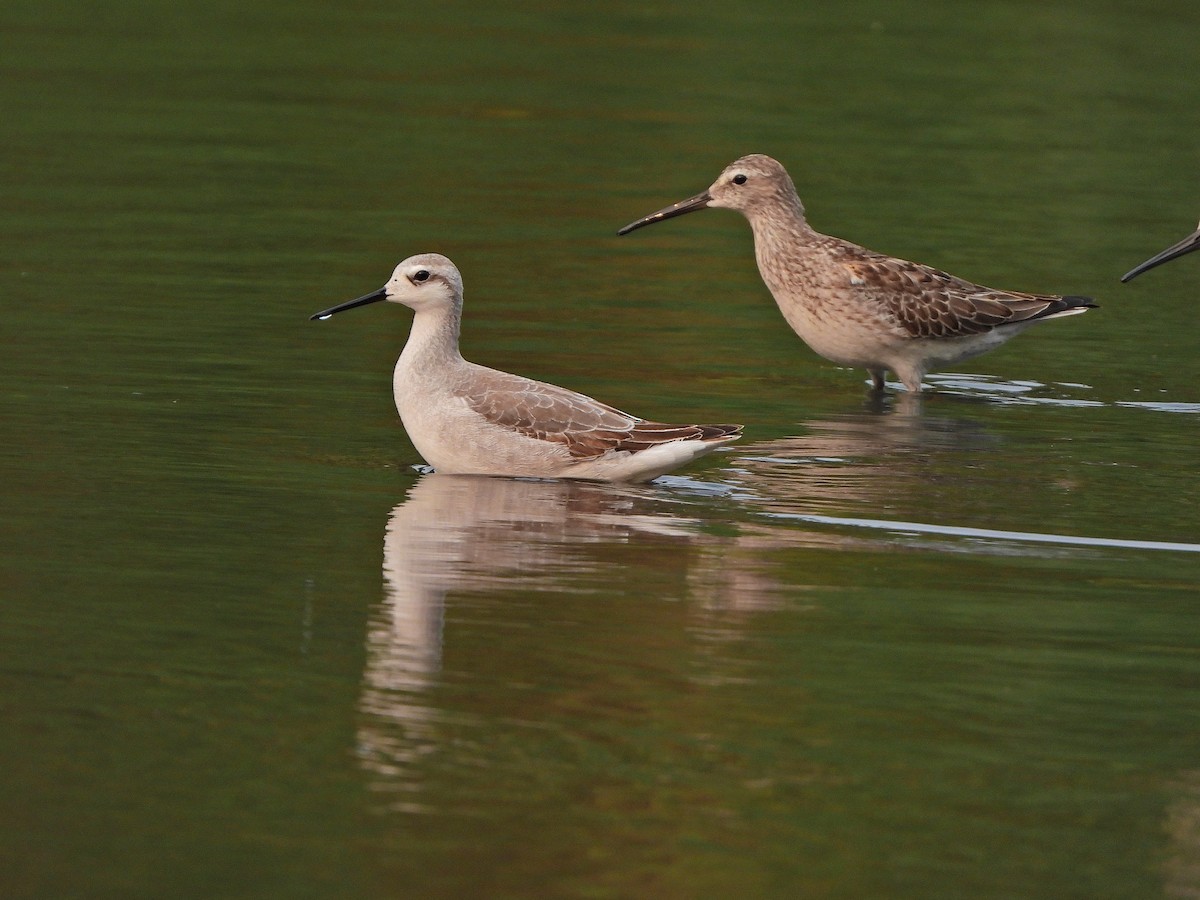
1074	300
720	432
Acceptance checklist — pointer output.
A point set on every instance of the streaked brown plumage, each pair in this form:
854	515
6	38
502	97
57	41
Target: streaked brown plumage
855	306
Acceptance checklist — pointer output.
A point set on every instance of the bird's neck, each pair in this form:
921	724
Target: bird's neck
433	342
782	237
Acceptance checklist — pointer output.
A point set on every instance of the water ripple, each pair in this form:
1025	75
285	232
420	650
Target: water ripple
989	533
1035	393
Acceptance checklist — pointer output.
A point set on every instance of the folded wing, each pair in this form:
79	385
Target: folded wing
929	303
587	428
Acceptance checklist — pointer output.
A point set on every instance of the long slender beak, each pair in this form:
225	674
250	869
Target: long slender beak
691	204
1187	245
373	297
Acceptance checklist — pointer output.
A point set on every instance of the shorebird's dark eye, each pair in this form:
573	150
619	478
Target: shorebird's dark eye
739	178
422	275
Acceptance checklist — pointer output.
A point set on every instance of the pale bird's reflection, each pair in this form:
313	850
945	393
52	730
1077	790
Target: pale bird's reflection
451	532
472	533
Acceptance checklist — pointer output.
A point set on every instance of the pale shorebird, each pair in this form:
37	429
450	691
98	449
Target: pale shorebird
857	307
1187	245
466	419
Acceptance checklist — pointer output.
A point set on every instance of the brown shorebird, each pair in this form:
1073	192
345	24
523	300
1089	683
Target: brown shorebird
857	307
1187	245
466	419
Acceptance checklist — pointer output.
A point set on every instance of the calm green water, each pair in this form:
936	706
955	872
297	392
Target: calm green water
246	651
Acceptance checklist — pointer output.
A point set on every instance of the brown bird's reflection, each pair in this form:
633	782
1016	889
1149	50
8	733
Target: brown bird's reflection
858	462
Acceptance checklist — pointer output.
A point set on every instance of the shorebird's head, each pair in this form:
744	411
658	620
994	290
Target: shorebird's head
749	184
424	281
1187	245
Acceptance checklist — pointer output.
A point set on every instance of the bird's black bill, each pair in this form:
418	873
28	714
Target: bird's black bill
374	297
691	204
1187	245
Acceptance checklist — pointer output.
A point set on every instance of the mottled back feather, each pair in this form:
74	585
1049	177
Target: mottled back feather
929	303
587	428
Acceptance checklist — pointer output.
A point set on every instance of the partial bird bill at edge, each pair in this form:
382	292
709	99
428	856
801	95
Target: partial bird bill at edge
1187	245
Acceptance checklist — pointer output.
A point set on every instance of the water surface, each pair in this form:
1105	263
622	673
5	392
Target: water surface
876	648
